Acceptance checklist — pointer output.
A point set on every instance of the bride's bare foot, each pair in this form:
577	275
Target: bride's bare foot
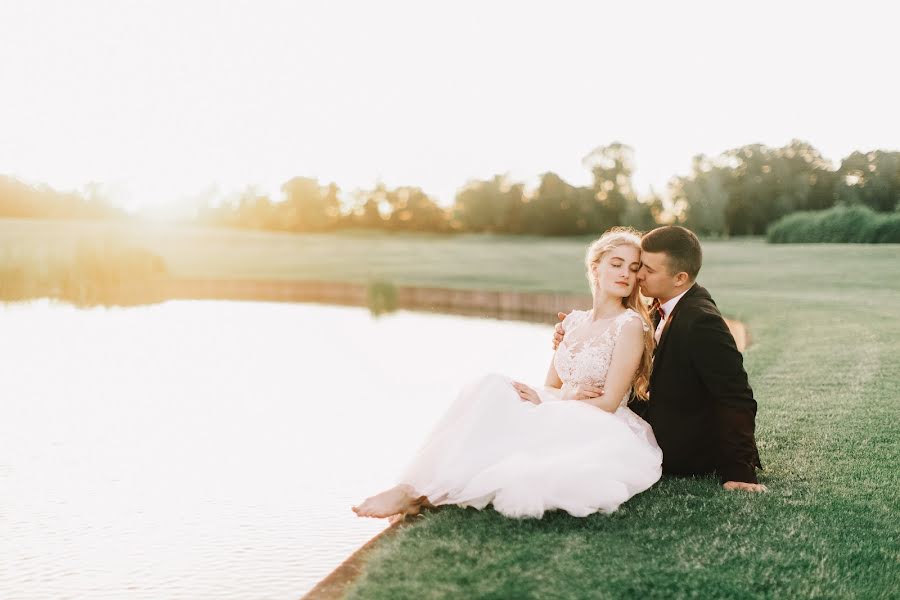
399	500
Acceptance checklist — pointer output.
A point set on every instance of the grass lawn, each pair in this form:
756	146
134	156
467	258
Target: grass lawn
824	365
825	325
476	261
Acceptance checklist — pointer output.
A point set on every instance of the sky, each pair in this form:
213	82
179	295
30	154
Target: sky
163	103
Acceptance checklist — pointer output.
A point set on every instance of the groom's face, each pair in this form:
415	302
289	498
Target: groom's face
654	277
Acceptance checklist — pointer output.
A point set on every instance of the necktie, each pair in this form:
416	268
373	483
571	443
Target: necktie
659	324
658	308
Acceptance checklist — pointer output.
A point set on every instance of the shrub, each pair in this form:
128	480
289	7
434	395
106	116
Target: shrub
382	297
841	224
888	231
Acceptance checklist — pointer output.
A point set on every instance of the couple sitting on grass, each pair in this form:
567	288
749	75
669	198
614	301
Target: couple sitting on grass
632	392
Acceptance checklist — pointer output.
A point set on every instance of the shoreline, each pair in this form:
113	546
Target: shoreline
333	585
380	297
385	297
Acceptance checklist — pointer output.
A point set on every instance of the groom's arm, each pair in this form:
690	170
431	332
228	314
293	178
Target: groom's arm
720	365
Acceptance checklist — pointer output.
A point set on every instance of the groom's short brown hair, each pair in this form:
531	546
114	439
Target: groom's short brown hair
680	245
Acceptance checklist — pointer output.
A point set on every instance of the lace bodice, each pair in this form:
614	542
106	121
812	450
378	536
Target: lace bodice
584	355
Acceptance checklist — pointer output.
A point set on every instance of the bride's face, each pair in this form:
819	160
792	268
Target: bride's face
616	273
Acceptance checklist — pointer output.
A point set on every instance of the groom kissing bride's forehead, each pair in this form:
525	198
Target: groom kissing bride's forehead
700	405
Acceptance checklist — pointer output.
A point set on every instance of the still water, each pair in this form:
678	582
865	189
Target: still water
213	449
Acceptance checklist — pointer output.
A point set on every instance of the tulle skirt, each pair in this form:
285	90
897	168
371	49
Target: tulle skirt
491	447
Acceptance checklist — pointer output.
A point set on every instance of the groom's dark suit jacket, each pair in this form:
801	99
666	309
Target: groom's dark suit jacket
701	406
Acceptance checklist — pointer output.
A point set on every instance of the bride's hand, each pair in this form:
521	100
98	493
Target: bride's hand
526	393
582	391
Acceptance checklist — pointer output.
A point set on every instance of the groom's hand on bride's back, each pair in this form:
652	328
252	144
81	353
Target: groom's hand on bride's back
558	331
743	486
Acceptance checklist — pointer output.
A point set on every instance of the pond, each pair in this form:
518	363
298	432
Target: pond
214	448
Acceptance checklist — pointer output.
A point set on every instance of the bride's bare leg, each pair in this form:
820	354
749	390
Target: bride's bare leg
399	500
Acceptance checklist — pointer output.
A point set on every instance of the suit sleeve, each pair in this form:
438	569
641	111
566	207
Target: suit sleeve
720	365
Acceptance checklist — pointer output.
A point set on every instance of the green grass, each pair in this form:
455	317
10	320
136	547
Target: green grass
825	324
828	528
465	261
825	321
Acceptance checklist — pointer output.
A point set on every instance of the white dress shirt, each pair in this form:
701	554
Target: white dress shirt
667	309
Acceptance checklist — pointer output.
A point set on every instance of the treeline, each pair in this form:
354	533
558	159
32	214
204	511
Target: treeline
307	206
497	205
740	192
743	191
19	200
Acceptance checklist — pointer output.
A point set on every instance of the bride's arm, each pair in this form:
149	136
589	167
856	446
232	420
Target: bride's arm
554	387
624	364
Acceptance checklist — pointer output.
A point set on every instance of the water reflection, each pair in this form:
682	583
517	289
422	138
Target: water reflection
106	271
203	448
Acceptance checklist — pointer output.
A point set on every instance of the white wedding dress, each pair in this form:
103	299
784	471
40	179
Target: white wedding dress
492	447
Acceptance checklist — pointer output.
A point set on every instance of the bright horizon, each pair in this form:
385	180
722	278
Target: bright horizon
167	103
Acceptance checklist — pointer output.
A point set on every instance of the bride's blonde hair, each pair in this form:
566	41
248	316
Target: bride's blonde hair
613	238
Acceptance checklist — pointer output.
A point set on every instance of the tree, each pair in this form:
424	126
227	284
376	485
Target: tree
701	197
611	167
256	211
493	205
557	208
743	190
644	214
871	179
20	200
307	207
413	210
766	184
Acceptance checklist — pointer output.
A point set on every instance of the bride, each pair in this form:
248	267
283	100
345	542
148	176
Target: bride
573	444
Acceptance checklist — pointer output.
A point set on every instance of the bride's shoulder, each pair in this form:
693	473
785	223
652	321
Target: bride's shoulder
633	319
575	317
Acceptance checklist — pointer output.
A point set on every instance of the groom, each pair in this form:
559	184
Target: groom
701	406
